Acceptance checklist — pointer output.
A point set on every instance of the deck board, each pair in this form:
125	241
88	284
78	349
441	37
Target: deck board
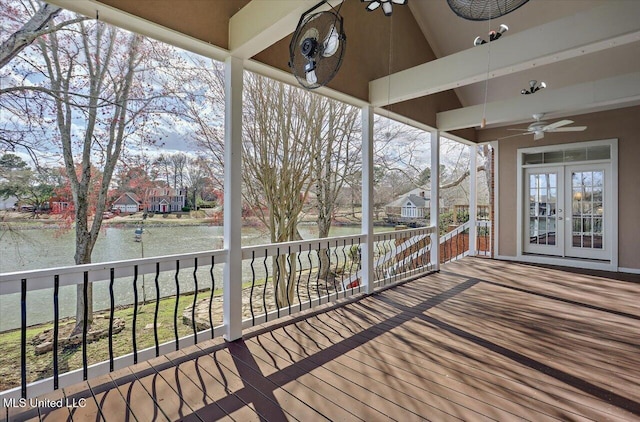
482	340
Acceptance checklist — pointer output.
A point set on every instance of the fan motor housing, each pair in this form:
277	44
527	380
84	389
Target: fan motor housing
309	47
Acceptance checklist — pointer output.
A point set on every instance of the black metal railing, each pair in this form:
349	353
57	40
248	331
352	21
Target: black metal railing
118	286
278	280
294	276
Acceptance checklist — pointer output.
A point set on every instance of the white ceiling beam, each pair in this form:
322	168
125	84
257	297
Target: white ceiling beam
262	23
580	98
610	25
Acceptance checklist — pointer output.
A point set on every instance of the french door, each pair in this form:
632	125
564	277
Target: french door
567	211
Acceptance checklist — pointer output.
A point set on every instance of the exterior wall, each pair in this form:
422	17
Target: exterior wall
623	124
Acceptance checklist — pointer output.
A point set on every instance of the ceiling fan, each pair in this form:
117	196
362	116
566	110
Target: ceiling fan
540	127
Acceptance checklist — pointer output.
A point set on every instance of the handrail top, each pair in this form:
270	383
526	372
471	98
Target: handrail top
100	266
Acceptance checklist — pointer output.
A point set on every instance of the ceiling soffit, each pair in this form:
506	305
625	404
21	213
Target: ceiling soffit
204	20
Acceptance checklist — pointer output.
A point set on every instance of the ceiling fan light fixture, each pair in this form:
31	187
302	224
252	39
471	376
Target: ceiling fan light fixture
387	5
372	6
387	8
493	35
533	87
478	41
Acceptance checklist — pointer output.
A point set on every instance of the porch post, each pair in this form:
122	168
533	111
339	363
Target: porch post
367	198
232	276
473	199
434	199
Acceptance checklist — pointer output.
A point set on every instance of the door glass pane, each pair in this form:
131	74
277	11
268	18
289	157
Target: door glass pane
587	209
543	192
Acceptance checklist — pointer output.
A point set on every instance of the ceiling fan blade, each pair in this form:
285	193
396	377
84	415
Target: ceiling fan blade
568	129
524	129
557	124
538	135
331	43
511	136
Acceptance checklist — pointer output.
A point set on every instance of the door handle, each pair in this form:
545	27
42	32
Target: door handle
559	218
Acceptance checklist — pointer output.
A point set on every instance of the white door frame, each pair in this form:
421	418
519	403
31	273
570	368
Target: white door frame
612	264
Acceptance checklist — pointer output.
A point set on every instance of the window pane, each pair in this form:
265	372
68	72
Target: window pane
533	158
553	157
601	152
575	155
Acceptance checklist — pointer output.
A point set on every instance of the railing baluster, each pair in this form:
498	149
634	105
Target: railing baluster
344	266
213	288
111	312
253	283
377	268
337	264
85	326
299	276
309	274
195	297
264	289
318	273
277	276
288	278
23	337
56	327
155	314
175	310
135	314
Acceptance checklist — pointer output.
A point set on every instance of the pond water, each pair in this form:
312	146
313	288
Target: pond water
49	248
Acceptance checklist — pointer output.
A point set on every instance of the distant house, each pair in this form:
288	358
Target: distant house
128	202
10	203
413	204
59	204
164	200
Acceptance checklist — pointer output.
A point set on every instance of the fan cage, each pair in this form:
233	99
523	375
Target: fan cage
482	10
328	66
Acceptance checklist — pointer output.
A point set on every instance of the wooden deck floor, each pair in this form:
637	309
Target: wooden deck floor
481	340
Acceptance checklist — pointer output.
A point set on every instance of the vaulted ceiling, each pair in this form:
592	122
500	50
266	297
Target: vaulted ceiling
421	62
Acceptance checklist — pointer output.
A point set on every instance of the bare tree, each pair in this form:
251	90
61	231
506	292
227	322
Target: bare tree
279	153
38	25
336	129
88	99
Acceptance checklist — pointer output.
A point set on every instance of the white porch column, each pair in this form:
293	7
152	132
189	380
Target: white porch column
367	198
473	199
434	199
232	276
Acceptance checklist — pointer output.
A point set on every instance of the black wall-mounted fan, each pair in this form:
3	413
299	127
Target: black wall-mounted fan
317	48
